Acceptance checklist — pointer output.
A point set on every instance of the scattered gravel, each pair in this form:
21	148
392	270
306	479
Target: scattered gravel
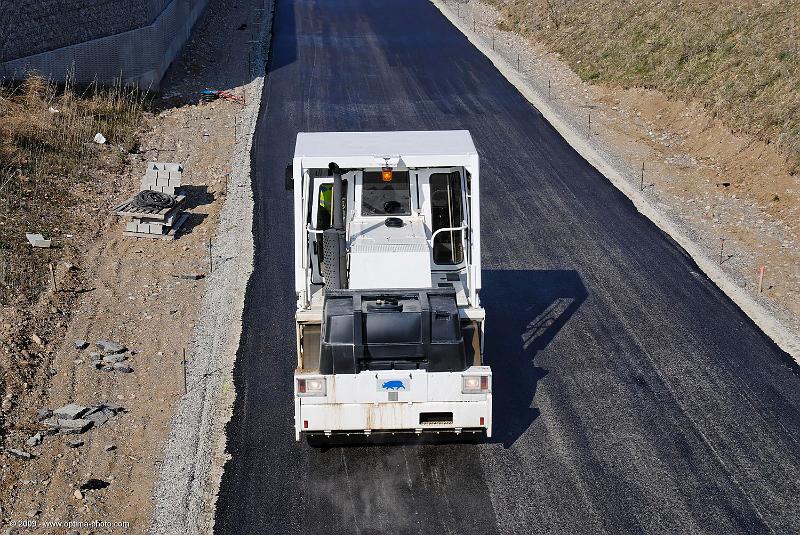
109	347
35	440
19	454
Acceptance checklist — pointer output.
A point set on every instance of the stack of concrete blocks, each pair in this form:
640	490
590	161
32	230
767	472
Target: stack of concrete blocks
165	178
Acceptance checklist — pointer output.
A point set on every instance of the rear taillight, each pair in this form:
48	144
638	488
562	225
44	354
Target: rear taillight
311	387
475	384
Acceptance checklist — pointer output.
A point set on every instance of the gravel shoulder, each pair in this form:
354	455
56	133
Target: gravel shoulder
702	183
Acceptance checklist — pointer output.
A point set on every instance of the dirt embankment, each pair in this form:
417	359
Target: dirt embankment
739	59
131	291
732	191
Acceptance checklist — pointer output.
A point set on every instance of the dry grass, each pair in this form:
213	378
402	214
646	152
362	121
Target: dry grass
741	58
46	148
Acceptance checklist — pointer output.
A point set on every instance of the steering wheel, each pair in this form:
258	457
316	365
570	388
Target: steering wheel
391	207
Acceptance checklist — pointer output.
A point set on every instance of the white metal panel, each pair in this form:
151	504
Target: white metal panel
355	402
442	148
384	144
424	386
389	257
390	266
376	162
383	416
299	232
364	387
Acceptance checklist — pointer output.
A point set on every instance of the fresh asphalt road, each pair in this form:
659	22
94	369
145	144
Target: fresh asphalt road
630	394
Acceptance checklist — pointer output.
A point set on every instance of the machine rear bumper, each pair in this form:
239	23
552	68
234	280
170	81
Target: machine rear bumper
394	417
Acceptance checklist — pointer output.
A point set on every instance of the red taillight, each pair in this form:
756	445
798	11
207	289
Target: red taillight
482	420
484	383
301	386
305	423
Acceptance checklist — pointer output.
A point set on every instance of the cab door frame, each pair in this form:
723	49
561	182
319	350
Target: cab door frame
426	207
315	234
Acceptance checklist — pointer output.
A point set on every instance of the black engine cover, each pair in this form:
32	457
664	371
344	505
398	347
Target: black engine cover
391	330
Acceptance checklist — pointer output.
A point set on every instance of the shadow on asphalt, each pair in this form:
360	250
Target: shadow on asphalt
525	310
284	42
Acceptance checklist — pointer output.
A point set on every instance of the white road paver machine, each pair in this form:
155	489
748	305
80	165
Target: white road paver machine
387	275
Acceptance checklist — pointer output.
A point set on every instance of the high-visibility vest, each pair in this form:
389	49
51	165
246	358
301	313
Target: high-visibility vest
326	196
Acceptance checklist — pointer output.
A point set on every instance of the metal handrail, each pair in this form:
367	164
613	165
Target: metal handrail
313	230
446	229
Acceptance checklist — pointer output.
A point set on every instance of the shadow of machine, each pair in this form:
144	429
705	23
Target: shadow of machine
525	310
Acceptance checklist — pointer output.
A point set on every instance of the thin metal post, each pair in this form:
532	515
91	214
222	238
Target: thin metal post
210	258
721	248
185	381
589	130
641	184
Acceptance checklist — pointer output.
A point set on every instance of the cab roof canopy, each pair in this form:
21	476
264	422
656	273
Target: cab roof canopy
429	148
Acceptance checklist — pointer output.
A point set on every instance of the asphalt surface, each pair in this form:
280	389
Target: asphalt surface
630	394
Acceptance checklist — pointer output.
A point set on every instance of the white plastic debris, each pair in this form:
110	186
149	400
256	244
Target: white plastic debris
37	240
53	110
99	138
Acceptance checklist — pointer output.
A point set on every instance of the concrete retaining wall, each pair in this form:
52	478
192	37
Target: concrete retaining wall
96	39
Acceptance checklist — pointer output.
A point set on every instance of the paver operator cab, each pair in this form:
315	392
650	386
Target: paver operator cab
387	275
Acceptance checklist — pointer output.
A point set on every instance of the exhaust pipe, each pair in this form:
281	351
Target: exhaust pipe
334	267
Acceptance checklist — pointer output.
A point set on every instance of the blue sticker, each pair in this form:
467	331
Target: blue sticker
393	385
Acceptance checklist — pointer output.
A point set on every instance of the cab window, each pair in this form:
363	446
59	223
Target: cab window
325	216
325	208
447	212
384	198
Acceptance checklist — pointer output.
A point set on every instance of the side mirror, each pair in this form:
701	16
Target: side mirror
289	178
